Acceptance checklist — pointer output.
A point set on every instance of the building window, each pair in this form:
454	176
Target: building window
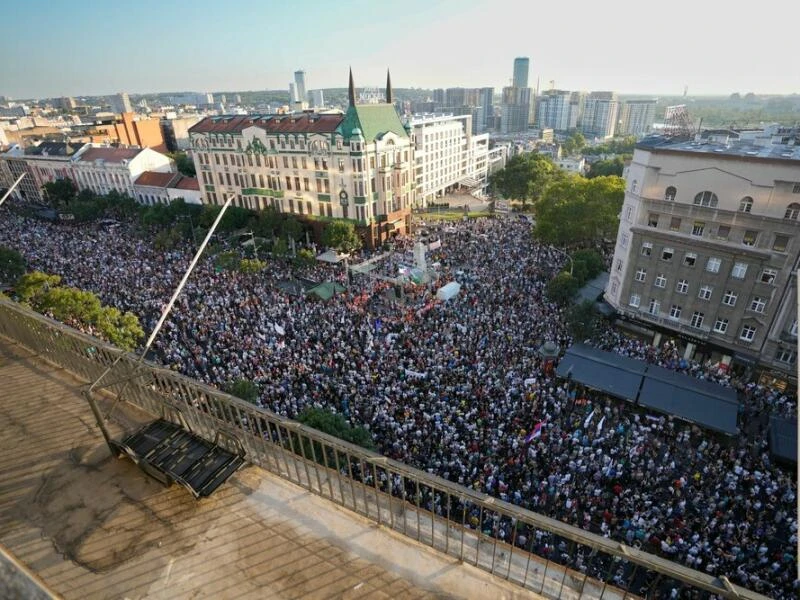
675	224
705	292
786	356
682	287
746	204
750	238
647	249
713	265
780	242
698	228
675	312
758	304
635	300
341	164
721	326
654	306
792	211
652	220
297	183
669	194
661	281
748	333
641	275
697	320
618	265
793	328
739	270
623	240
723	231
689	259
294	159
769	275
706	199
286	164
667	253
729	298
289	184
614	284
628	213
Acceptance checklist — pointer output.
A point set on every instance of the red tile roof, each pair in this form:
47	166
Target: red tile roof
110	154
186	183
300	123
155	179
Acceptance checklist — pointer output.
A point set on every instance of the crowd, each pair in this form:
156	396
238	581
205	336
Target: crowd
456	389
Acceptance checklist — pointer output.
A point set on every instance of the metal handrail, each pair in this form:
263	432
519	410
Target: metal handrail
281	445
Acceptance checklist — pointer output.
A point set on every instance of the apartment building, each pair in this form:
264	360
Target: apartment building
600	112
707	251
154	187
446	155
356	166
637	117
553	110
50	161
103	169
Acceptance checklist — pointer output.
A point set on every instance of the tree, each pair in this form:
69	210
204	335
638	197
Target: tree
248	265
121	329
342	236
32	286
581	320
575	210
525	177
611	166
574	143
562	288
70	305
184	164
591	262
12	265
337	426
244	389
60	193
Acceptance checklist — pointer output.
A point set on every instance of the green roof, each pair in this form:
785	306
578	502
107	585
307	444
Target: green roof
326	291
374	120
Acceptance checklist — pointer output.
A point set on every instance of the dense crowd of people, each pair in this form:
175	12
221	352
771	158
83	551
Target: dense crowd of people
459	388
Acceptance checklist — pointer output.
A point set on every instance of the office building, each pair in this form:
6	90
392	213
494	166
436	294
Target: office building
447	155
707	251
356	166
637	117
292	94
521	70
317	99
600	115
515	110
121	103
553	110
300	86
487	102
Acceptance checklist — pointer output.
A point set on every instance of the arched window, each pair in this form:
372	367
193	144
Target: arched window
669	194
792	211
746	204
706	198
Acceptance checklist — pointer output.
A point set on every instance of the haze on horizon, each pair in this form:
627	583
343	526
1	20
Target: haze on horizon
631	47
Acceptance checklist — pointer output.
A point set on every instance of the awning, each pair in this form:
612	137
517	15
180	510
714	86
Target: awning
689	405
327	290
783	438
603	371
330	256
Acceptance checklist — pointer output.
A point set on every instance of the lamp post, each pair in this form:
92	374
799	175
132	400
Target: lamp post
571	264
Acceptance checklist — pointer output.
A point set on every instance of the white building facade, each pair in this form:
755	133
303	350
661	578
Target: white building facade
447	154
707	251
600	115
637	117
103	169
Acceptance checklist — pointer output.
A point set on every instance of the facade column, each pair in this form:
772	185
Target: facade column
689	351
657	339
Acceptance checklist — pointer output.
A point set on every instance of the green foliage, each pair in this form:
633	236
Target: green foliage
616	146
341	236
227	260
590	263
292	228
525	177
576	210
167	239
32	286
562	288
184	164
280	247
611	166
244	389
12	265
60	193
247	265
305	257
581	320
574	143
70	305
337	426
121	329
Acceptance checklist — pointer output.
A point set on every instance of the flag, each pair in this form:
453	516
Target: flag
588	419
600	425
535	432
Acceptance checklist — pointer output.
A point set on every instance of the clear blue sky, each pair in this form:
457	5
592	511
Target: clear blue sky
88	47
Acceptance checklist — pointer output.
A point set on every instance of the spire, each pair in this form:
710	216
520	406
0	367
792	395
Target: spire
351	92
388	87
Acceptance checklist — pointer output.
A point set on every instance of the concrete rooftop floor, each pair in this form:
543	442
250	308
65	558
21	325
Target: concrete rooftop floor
93	526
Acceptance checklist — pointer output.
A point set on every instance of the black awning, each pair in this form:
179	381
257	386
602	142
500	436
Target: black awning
693	384
604	371
783	438
690	405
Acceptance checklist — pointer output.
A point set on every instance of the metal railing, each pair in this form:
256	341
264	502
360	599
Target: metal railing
547	556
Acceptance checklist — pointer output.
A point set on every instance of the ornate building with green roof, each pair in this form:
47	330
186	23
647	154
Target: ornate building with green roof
357	166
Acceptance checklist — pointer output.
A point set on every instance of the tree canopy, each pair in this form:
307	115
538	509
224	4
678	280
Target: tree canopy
244	389
12	265
578	211
615	146
184	164
60	193
525	177
611	166
336	425
574	143
342	236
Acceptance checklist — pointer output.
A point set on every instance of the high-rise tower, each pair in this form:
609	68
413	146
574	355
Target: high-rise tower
521	67
300	86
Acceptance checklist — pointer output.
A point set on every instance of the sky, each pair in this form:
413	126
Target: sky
55	48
